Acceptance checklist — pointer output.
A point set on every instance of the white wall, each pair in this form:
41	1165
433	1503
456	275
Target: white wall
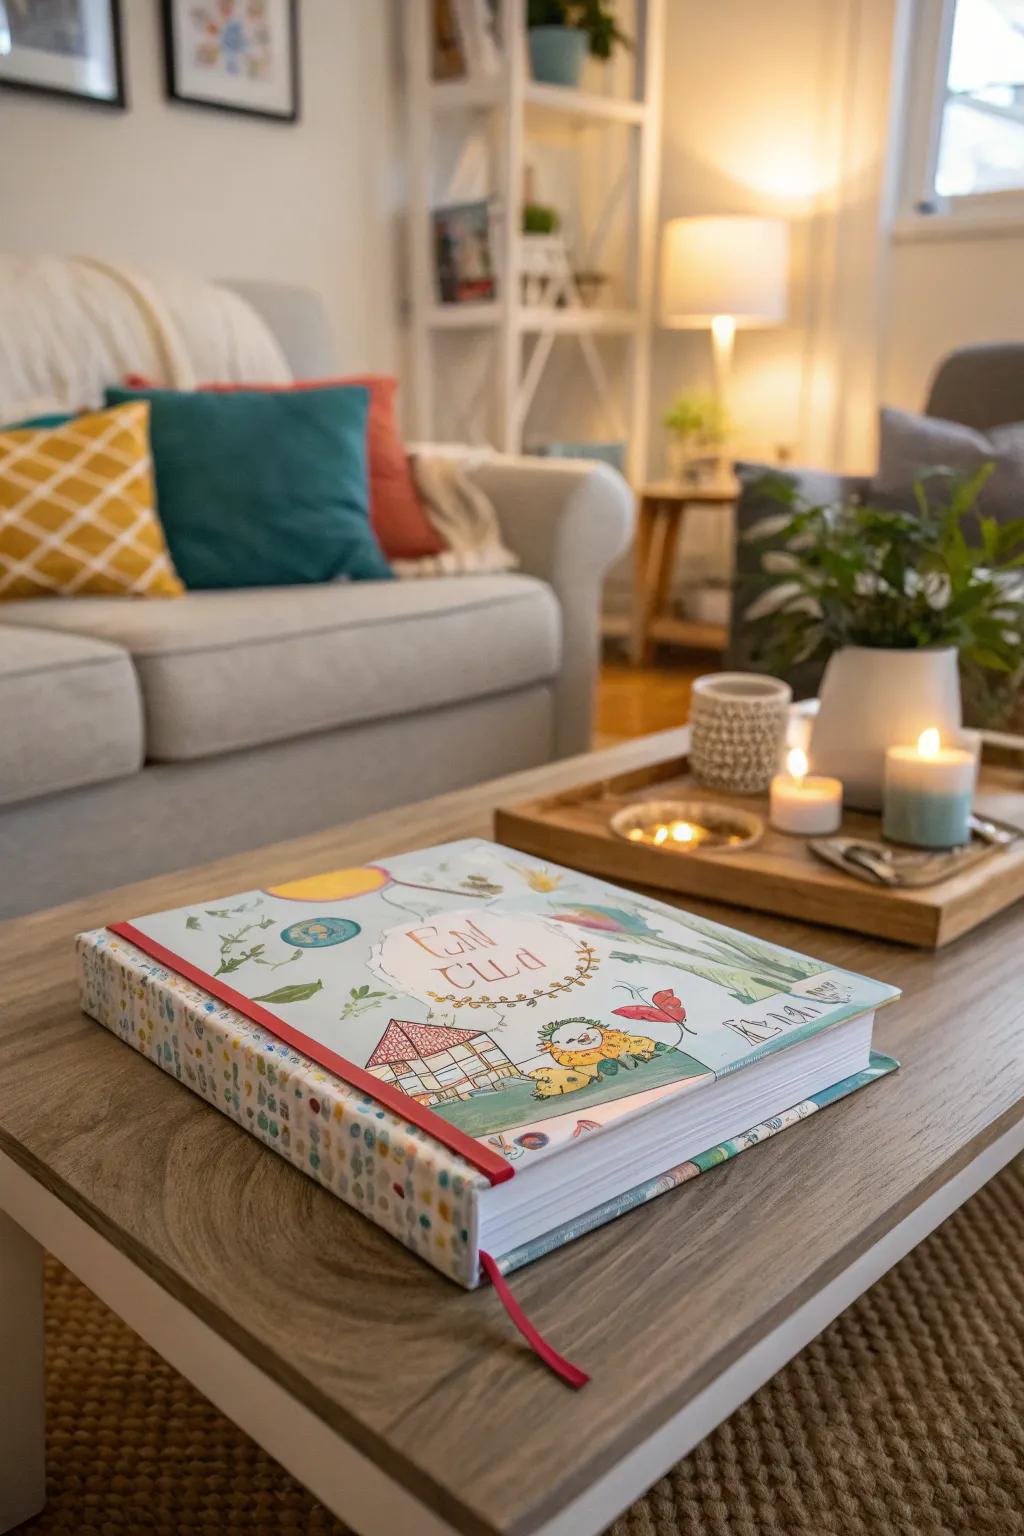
943	294
312	203
781	110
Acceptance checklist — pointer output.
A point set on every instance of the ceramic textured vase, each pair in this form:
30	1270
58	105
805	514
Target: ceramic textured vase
871	699
738	730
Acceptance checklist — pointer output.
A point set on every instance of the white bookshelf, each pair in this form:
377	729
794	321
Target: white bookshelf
511	342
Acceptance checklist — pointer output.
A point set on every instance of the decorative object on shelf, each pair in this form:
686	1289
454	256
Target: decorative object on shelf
545	273
590	286
698	426
807	804
929	790
737	730
724	273
476	23
447	56
562	33
462	247
538	219
688	826
898	602
242	57
64	50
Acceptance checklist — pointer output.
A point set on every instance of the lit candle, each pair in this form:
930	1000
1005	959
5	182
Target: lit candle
808	804
928	793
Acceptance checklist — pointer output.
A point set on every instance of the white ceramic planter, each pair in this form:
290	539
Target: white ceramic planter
873	699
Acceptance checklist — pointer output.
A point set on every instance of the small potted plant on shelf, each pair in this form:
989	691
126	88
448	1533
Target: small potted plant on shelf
563	32
902	605
698	428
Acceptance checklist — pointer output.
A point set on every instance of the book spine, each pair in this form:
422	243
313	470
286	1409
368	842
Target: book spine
388	1170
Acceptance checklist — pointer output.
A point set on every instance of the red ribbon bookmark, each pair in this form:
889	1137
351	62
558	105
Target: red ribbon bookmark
562	1368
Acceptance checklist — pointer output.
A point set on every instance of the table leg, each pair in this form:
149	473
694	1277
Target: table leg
655	523
22	1420
645	520
662	583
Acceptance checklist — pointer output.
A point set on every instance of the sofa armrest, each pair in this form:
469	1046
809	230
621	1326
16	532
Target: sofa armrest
567	521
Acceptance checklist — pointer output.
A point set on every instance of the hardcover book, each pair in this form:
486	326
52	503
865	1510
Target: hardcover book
483	1053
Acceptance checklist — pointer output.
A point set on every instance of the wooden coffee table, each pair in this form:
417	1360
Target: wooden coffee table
406	1404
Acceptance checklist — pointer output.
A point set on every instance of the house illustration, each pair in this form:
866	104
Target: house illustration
432	1064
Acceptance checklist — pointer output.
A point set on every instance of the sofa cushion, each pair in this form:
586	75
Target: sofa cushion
70	709
234	669
263	489
910	445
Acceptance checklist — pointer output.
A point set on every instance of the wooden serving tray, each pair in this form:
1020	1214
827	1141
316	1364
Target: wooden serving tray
779	874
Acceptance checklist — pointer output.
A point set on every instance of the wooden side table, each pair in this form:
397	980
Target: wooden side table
660	514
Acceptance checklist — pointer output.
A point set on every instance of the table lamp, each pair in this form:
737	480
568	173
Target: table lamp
721	272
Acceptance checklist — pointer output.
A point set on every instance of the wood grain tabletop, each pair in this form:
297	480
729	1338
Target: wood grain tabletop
430	1381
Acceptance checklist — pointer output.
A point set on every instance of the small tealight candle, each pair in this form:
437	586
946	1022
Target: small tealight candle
803	803
928	793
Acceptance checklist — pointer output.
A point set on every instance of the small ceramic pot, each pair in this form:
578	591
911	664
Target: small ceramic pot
557	54
738	730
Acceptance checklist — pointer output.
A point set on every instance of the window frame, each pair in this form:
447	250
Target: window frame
922	210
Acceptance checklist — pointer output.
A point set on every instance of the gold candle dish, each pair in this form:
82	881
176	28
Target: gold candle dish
688	826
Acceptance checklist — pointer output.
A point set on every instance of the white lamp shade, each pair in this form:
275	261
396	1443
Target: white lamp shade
731	265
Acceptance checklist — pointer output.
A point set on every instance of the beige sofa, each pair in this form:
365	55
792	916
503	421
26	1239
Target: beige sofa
140	736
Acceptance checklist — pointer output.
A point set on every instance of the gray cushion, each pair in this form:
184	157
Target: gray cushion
909	443
225	670
70	712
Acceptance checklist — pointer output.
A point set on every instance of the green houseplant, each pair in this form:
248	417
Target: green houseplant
698	426
898	603
563	32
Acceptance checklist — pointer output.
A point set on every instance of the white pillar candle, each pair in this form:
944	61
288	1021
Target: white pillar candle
928	793
807	804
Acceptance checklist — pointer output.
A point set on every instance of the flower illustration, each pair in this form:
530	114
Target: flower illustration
538	879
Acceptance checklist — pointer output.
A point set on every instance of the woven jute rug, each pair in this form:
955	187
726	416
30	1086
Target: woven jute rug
904	1418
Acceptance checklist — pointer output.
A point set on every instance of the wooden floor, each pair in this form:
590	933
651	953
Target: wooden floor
632	701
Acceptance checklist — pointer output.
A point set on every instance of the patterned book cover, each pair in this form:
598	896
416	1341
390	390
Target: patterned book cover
483	1007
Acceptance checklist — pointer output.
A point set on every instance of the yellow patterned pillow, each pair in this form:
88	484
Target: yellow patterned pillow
78	511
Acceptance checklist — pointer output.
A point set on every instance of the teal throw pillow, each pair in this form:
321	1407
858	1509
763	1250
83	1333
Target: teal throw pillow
258	489
55	420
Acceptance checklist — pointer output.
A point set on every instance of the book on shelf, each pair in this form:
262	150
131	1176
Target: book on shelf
484	1054
465	39
463	253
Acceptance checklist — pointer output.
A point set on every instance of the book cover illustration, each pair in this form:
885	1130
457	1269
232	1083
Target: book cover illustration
525	1004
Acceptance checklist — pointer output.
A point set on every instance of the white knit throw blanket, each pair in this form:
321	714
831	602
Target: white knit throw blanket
71	325
463	516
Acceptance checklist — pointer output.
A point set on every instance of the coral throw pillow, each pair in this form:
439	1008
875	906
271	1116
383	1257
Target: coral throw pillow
78	512
396	515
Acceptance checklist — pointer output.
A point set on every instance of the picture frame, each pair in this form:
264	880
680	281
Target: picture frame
463	253
242	59
64	48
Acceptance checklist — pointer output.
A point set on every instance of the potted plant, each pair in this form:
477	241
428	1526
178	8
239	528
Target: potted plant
562	32
899	604
698	426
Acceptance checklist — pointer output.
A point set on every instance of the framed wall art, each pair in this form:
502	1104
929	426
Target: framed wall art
63	48
236	55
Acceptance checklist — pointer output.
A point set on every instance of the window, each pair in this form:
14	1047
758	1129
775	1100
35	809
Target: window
965	149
